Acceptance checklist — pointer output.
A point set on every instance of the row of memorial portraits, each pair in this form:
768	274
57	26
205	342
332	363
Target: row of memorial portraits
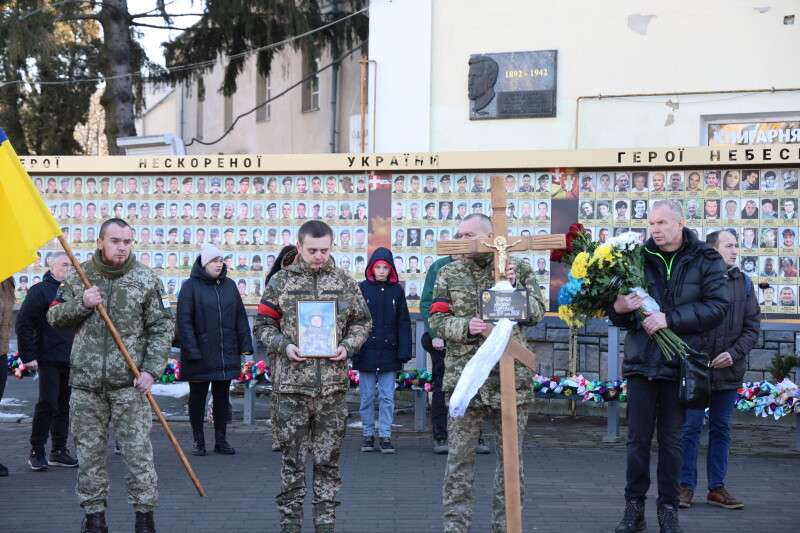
256	212
248	269
776	210
682	183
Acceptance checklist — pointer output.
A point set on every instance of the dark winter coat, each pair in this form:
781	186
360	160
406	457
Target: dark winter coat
737	334
389	343
694	296
36	338
213	327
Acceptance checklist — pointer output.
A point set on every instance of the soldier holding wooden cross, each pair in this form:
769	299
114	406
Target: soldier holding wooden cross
454	318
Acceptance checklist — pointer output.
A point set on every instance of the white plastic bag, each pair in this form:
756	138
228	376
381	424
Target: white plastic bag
477	369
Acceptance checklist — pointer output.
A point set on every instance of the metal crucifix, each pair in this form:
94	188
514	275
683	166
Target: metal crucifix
500	245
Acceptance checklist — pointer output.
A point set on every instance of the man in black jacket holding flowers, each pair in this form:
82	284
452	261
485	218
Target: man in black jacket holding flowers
687	280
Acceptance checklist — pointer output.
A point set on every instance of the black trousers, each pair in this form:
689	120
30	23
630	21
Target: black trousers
438	405
653	406
198	392
51	414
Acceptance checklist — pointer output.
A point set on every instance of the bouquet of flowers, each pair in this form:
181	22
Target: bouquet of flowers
769	399
598	272
593	390
17	367
253	373
416	380
355	377
171	373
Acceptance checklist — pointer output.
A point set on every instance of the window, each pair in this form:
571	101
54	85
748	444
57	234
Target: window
310	86
228	112
263	93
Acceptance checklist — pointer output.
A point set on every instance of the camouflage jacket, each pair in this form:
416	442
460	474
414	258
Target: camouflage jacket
455	302
276	326
135	300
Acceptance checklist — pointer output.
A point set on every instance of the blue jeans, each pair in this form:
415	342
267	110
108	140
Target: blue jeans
719	440
366	385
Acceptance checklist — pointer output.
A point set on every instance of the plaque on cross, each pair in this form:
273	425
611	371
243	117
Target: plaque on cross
500	245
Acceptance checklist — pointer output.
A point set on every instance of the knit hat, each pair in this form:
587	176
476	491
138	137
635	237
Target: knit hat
208	252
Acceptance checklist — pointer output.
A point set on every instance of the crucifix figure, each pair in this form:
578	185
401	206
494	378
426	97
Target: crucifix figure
500	245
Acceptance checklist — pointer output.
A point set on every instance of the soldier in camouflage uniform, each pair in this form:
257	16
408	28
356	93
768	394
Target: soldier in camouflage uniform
454	319
103	386
311	409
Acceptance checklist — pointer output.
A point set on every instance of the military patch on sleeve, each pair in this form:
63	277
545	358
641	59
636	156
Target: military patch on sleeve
165	300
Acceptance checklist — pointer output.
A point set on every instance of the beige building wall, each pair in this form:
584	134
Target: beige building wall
288	129
608	48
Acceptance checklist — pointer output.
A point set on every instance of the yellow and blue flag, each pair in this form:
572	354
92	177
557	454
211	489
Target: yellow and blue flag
25	222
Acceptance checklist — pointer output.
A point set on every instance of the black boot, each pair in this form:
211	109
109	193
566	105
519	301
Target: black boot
668	519
633	520
94	523
221	445
144	523
199	443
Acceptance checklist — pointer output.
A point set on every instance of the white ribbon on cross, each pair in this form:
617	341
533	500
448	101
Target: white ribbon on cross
478	368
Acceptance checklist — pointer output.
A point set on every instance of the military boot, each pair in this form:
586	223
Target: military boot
290	528
199	443
221	445
144	522
94	523
633	520
668	519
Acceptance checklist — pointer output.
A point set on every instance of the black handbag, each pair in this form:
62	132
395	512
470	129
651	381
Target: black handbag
695	382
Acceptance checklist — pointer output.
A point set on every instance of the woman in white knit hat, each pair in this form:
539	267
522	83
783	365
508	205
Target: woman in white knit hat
214	334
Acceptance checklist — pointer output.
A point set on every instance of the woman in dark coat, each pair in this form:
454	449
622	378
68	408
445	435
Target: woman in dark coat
388	347
214	334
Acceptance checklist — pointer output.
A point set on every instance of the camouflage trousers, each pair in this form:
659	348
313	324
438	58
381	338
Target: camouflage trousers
306	424
129	411
458	493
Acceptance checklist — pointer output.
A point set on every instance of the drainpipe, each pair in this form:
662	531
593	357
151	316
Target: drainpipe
334	86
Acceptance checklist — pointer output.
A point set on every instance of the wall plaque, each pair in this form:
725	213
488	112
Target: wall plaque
512	85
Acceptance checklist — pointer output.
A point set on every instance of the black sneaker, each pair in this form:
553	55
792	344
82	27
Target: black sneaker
37	459
3	471
440	447
368	444
386	445
482	448
61	457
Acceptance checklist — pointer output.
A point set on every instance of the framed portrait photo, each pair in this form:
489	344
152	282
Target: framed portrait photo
316	328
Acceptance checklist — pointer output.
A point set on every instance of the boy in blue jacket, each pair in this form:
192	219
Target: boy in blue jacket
386	350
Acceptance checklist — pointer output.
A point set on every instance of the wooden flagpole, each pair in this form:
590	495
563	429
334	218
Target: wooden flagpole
132	365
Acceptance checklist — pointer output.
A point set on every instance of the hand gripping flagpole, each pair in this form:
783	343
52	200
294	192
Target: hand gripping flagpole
132	365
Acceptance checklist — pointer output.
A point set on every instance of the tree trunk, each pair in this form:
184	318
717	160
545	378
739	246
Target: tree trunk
116	64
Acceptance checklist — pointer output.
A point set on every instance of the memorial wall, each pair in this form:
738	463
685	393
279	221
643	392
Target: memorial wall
409	202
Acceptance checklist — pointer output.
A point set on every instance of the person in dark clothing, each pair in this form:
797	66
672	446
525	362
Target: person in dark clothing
436	348
386	350
47	349
214	335
728	345
688	283
7	299
286	256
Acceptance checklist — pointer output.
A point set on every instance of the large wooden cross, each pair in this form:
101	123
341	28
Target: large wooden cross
500	245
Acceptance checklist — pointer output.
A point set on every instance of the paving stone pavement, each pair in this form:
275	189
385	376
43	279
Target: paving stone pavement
574	482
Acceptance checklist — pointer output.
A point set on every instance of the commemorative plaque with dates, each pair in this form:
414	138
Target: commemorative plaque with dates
512	305
512	85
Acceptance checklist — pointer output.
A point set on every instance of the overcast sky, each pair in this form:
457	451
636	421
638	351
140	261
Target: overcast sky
153	38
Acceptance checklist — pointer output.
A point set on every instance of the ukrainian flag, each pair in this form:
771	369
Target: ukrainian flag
25	222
